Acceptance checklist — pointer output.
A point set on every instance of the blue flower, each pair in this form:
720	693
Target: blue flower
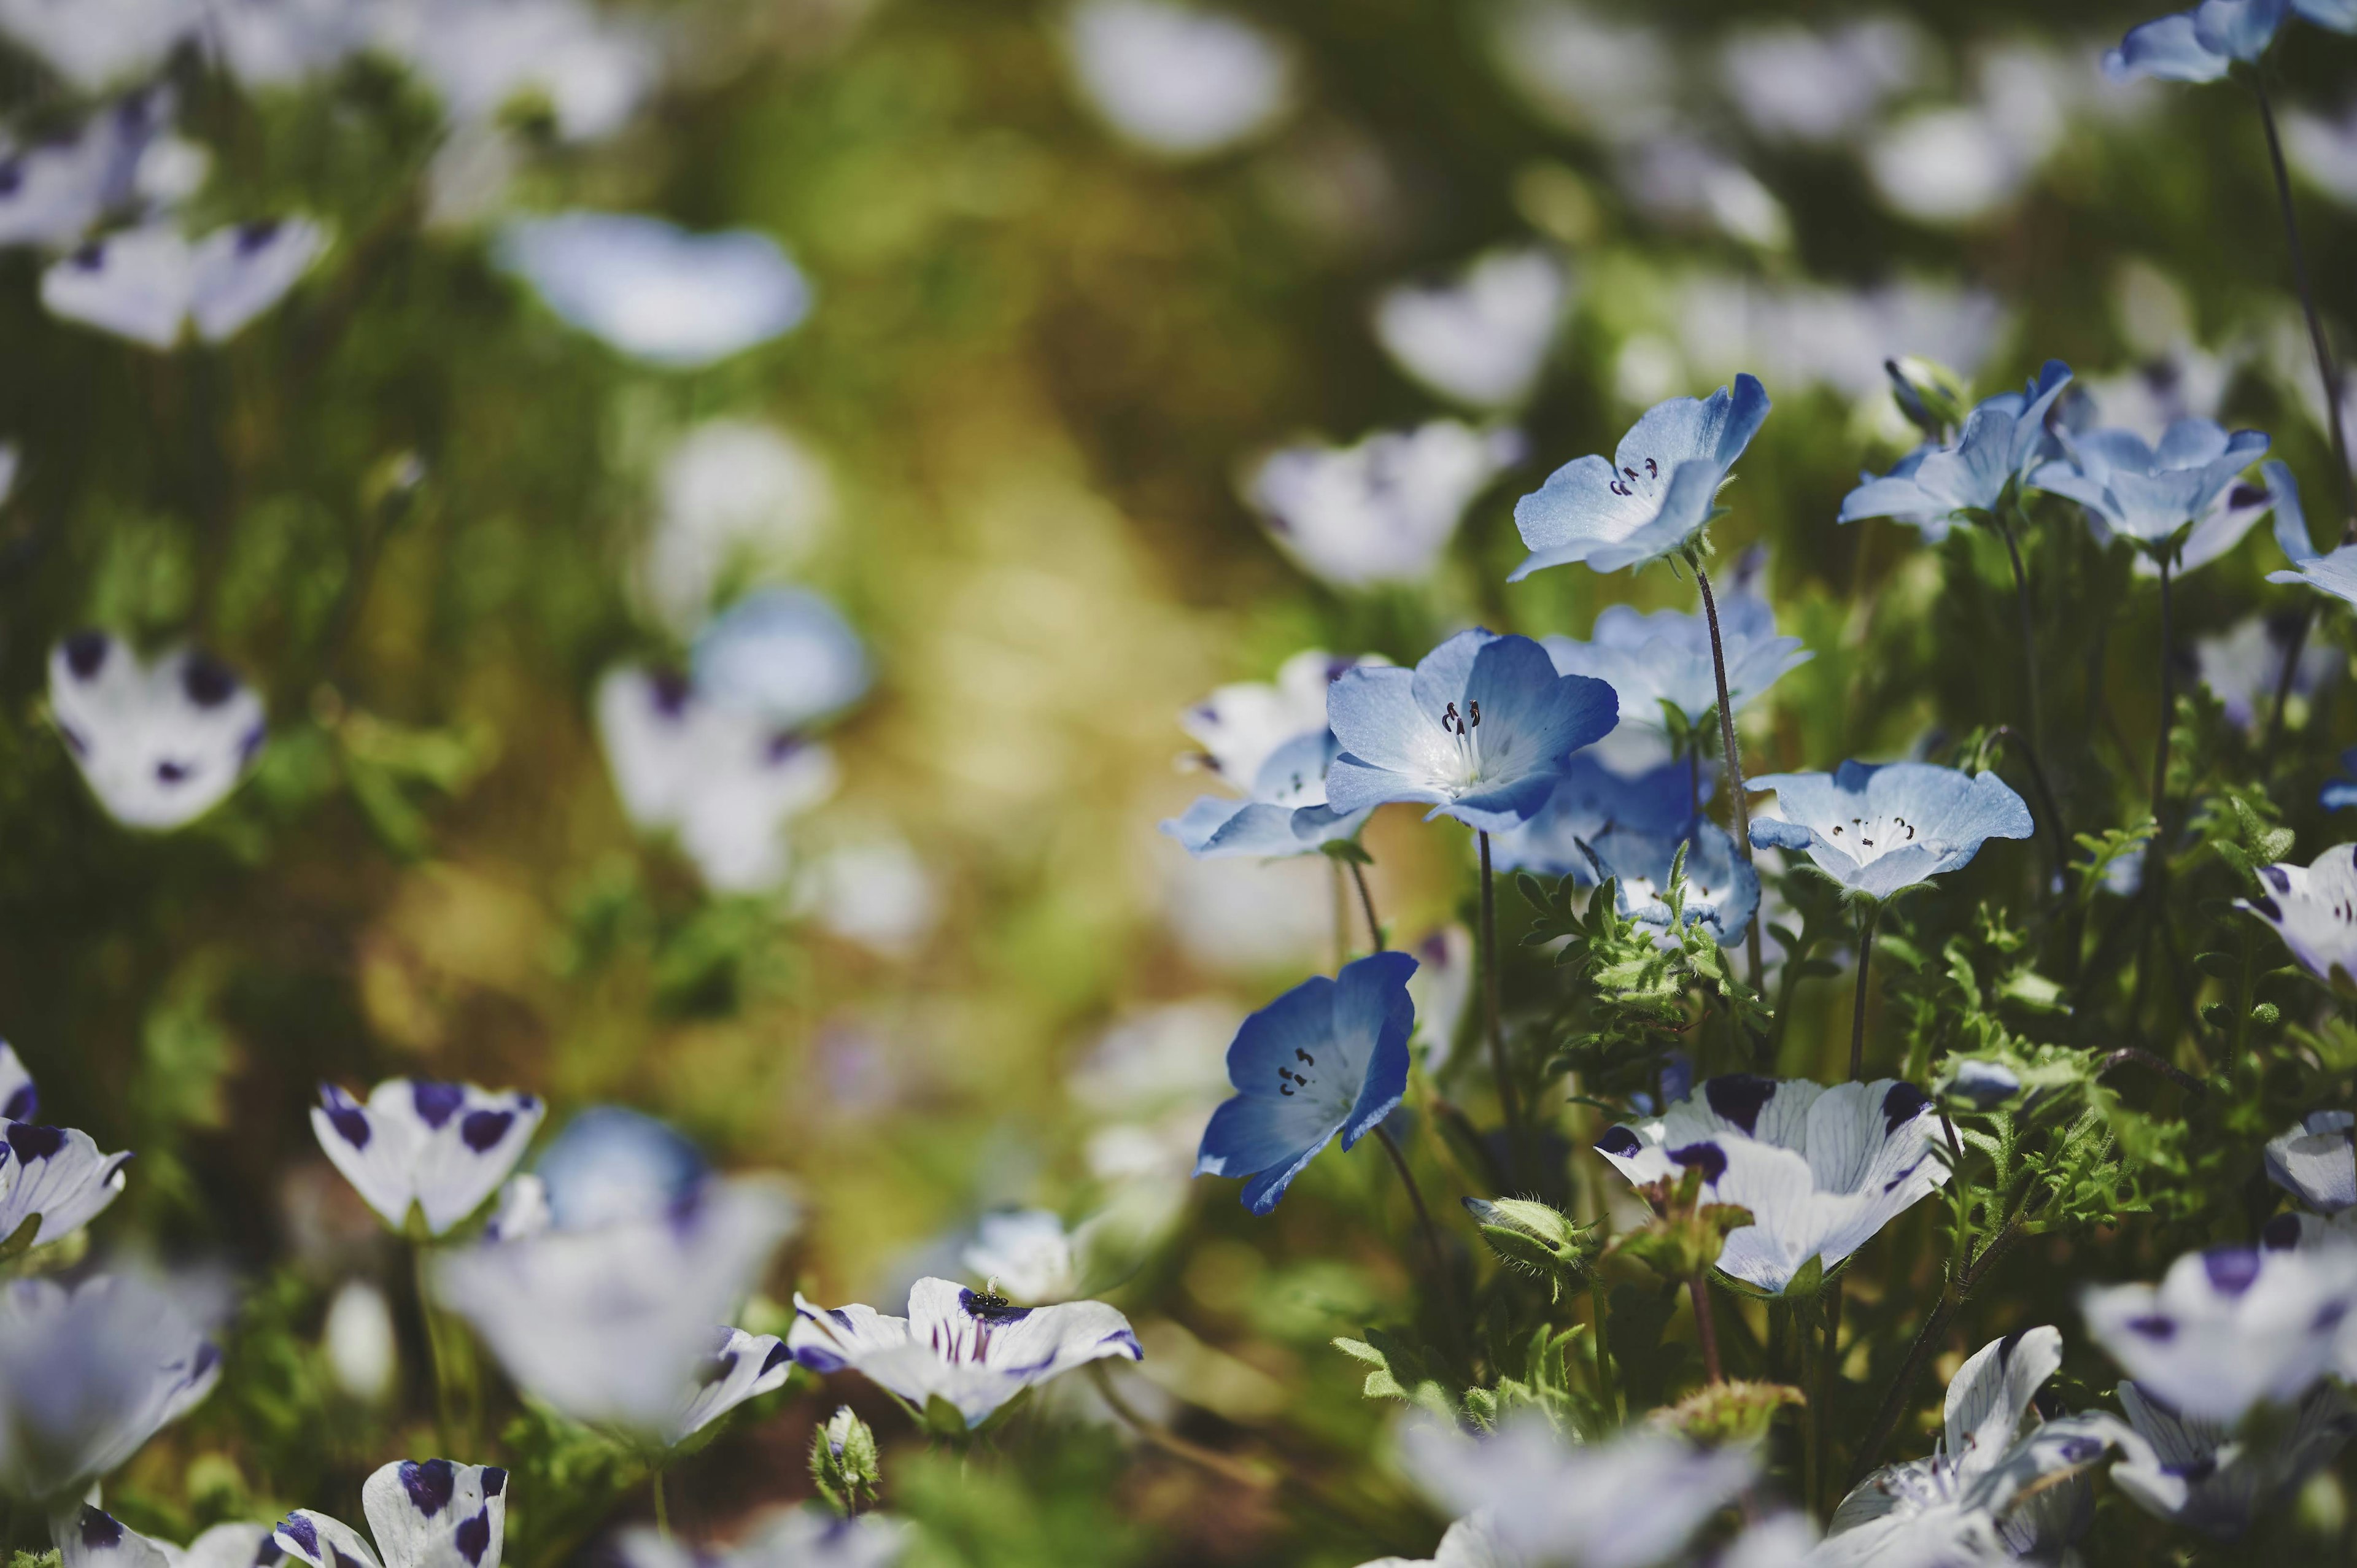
783	653
2342	791
1287	813
2199	44
1665	658
611	1164
2334	573
1589	798
1722	889
2151	494
1878	831
1481	729
655	291
2001	439
1328	1057
1653	496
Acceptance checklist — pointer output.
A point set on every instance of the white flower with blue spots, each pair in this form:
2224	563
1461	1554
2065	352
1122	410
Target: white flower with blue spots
1822	1170
97	1540
87	1374
160	742
153	286
1653	496
654	292
20	1101
2229	1329
2000	1487
2152	494
58	189
1880	830
1469	1543
1629	1502
54	1174
2313	909
1480	730
424	1513
1327	1058
741	1367
443	1147
2315	1162
1939	482
973	1349
2202	1475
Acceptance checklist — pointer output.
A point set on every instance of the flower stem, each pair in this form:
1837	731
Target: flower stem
1601	1309
1509	1102
1828	1368
663	1509
2167	702
1706	1328
1367	904
1866	924
1739	808
1894	1403
2036	729
2326	369
1170	1442
2054	824
446	1417
1342	920
1423	1215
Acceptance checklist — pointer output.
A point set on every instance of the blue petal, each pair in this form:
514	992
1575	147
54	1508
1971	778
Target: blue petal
1266	1138
2338	15
1372	998
1745	411
2240	30
1890	495
1377	719
784	653
1213	828
1544	716
2291	521
2167	48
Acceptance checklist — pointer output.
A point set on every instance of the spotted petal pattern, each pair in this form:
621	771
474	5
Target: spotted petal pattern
159	742
443	1147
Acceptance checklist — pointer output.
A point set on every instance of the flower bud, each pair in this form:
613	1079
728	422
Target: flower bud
1532	1237
1932	396
844	1462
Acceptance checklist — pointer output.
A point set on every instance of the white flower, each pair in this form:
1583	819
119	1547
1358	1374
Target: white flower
723	780
444	1146
482	56
1175	80
358	1338
1027	1252
1483	339
160	743
57	1174
2242	667
1440	988
796	1537
782	654
736	501
1469	1543
741	1367
56	191
95	44
1590	73
877	892
2229	1329
151	284
2315	1162
2199	1474
1817	86
1682	179
974	1352
656	292
2323	148
19	1100
88	1375
1993	1491
614	1324
425	1514
2313	909
1380	512
1822	1170
96	1540
1240	726
1627	1503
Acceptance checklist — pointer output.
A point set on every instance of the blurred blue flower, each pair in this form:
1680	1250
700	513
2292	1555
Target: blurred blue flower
1878	831
783	653
1286	813
1590	798
2341	790
1653	496
1328	1057
89	1372
656	292
2001	439
1985	1083
2333	573
1481	729
2199	44
612	1165
1722	890
2151	494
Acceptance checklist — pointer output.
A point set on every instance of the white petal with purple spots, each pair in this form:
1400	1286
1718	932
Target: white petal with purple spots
19	1100
444	1146
742	1367
433	1513
160	742
2229	1329
88	1375
2316	1161
57	1172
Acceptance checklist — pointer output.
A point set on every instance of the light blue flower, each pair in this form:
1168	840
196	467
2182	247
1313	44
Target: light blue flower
2342	790
1722	889
1878	831
1481	729
1287	813
2199	44
2151	494
2002	438
2334	573
656	292
1328	1057
1590	799
612	1165
1653	496
1665	657
783	653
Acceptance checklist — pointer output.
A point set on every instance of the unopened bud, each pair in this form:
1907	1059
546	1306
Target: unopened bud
844	1462
1932	396
1532	1237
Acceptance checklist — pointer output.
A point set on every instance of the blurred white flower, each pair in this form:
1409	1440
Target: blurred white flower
359	1340
1382	510
2323	148
151	285
1793	335
1249	917
2229	1329
1469	1543
741	1367
1440	987
1174	79
160	742
783	655
1174	1056
1241	725
1959	164
54	190
808	1537
482	56
1027	1254
1482	338
2200	1474
279	43
95	44
1796	83
97	1540
877	892
1587	72
735	502
654	291
1680	179
2242	667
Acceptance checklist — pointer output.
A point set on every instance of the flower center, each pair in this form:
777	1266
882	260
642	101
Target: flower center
1868	838
1461	728
1633	481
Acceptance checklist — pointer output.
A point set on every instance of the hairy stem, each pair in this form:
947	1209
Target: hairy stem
1705	1326
1367	904
1739	808
663	1509
1422	1216
1509	1102
1866	924
2167	702
1601	1308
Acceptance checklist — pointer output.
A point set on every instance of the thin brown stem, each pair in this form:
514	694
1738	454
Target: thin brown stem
2167	702
1367	904
1866	924
2327	371
1894	1403
1705	1326
1740	807
1170	1442
1423	1215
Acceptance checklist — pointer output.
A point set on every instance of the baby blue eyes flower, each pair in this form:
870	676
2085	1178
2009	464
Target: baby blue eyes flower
160	741
1590	799
1655	493
425	1513
1287	813
783	654
1880	829
2208	1478
2313	909
1481	730
1722	890
2334	573
1328	1057
2316	1161
98	1539
2199	44
2229	1329
2001	439
2151	493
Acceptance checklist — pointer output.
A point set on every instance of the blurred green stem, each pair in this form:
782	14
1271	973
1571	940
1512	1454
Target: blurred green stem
1341	920
2168	705
1600	1306
2327	371
1437	1256
1738	805
1367	903
1821	1401
1170	1442
1509	1102
1705	1325
1867	921
446	1413
663	1509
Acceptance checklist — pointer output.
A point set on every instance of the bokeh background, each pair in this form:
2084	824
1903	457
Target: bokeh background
1041	355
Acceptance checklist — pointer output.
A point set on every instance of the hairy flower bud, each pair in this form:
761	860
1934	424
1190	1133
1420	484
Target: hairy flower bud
1532	1237
844	1462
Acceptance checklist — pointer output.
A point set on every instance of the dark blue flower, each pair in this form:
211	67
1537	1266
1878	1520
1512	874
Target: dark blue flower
1480	730
1328	1057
